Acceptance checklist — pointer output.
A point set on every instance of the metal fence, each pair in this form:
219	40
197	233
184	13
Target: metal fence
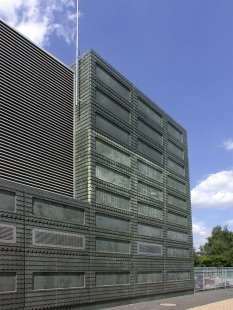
212	278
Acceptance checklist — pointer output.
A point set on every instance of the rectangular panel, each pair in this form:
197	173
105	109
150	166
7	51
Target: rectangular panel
175	149
175	132
112	152
112	176
114	246
7	282
150	211
149	277
112	278
154	116
57	280
176	184
112	223
150	191
112	129
177	219
148	230
176	252
111	82
110	104
177	235
7	233
7	200
56	239
112	199
149	248
175	167
149	131
57	211
149	151
178	276
150	171
175	201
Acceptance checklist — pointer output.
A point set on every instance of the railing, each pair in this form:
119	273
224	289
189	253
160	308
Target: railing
207	278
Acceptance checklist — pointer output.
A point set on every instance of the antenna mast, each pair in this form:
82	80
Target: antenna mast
75	103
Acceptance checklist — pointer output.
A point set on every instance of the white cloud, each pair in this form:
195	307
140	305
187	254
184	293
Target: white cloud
228	145
216	191
229	223
200	233
37	19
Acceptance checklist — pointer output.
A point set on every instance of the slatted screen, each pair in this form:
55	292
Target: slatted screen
36	116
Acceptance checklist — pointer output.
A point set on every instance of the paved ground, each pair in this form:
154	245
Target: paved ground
221	299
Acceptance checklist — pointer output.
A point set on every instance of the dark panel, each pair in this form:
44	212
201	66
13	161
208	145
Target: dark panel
57	211
149	112
149	151
174	132
7	282
149	131
148	230
111	105
7	200
112	129
149	277
111	82
112	278
114	246
59	280
175	149
112	223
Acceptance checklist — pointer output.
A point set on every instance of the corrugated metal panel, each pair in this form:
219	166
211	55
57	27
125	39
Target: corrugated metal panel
36	117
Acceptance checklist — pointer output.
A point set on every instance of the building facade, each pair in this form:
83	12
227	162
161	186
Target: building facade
127	234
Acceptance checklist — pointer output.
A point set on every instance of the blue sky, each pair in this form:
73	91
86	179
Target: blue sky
179	53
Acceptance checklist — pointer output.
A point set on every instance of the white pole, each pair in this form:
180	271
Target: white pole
75	103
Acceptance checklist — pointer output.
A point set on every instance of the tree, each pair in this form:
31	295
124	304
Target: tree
217	251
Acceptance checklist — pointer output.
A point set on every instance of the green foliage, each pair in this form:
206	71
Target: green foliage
217	251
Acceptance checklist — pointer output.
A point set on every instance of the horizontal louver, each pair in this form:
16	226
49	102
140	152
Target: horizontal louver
58	239
36	117
7	233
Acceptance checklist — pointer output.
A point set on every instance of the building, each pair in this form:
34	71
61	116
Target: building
127	234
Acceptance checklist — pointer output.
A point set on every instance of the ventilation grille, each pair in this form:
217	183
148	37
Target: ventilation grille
36	119
7	233
149	248
58	239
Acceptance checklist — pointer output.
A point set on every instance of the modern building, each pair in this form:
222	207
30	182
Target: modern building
127	234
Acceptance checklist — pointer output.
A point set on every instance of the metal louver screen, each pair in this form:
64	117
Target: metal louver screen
149	249
58	239
36	117
7	233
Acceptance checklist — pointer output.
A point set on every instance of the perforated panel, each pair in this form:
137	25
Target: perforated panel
175	201
112	176
177	219
49	238
149	277
7	282
150	211
175	167
176	235
149	248
7	233
149	171
112	152
176	252
112	199
150	191
112	278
